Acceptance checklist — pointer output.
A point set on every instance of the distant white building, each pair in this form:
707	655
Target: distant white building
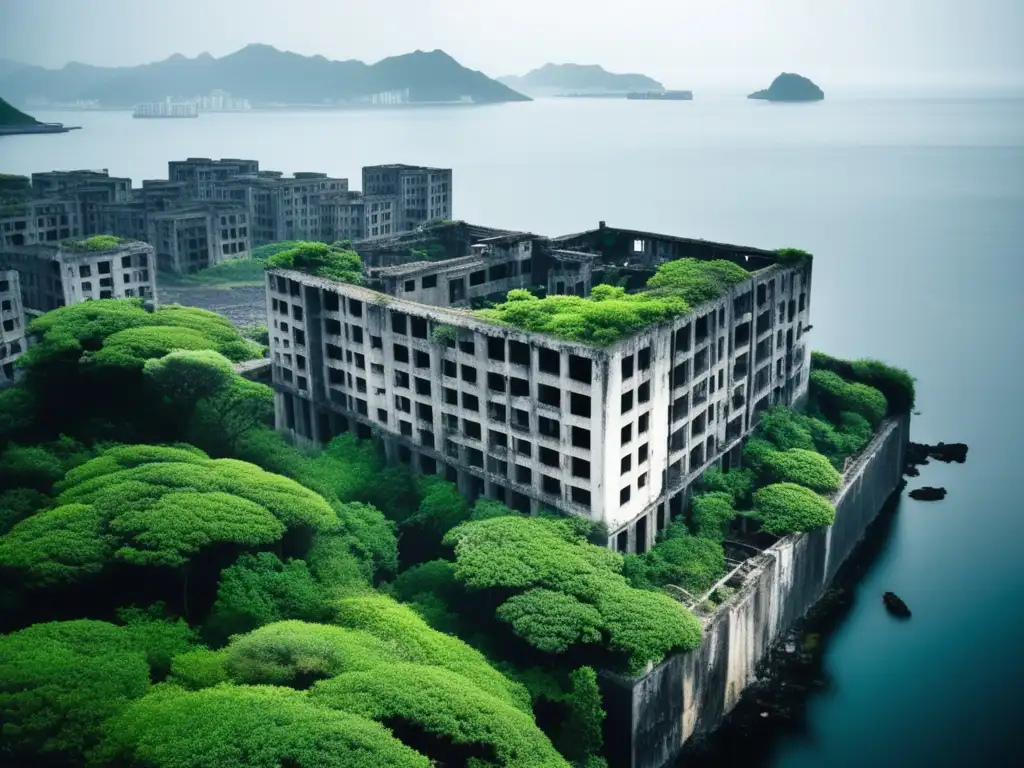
221	101
166	108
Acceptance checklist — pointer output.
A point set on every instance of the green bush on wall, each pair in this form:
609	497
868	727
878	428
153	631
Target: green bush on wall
807	468
895	383
834	395
790	508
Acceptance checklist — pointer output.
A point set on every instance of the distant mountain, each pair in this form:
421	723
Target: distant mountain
9	65
578	78
262	74
11	116
790	87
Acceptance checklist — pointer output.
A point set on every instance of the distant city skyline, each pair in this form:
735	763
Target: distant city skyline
686	43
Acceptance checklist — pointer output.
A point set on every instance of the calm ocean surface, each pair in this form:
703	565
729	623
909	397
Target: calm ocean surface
915	212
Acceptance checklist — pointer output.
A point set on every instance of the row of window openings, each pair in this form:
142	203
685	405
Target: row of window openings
102	267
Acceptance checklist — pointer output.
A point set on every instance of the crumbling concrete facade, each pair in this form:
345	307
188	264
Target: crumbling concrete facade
415	194
198	236
615	433
58	275
12	326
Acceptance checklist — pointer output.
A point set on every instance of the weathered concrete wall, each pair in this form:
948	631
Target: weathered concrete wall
650	718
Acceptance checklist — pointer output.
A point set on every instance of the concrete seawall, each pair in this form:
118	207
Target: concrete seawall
650	717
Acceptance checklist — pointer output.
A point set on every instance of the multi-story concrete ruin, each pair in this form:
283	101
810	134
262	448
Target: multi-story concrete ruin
200	193
53	276
615	433
12	326
412	194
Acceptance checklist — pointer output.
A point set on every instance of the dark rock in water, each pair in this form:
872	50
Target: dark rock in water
895	606
911	471
790	87
919	453
927	493
949	452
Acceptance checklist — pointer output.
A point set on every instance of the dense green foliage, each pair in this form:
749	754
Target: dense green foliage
803	467
894	383
581	738
559	583
834	396
444	705
247	727
713	512
321	260
152	505
792	256
260	589
609	313
737	483
60	681
694	563
789	508
228	273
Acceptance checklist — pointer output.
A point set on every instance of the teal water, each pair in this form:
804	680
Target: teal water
915	211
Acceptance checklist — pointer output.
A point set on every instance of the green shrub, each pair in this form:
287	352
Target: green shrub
756	452
551	621
321	260
260	589
697	281
59	682
789	508
894	383
159	636
296	654
835	395
786	429
854	431
690	562
581	736
247	727
792	256
413	640
95	243
446	705
713	513
807	468
200	668
738	483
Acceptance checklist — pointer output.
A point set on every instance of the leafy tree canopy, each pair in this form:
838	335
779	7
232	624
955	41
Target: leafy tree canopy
60	681
690	562
446	705
247	727
413	639
156	505
519	553
738	483
894	383
835	395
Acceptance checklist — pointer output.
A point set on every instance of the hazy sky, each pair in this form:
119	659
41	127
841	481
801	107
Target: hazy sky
684	43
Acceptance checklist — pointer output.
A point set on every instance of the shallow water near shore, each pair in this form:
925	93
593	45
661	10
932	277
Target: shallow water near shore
914	209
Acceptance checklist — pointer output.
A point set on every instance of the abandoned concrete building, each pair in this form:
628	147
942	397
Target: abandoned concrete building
414	194
615	433
12	326
205	195
53	276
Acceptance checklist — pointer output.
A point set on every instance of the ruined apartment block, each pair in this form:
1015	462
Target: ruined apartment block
617	434
198	236
12	326
54	276
415	195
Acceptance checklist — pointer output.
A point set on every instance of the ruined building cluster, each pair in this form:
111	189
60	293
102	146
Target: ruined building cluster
615	433
207	210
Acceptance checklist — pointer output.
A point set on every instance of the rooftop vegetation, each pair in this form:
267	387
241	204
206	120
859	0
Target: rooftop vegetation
95	243
609	313
321	260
